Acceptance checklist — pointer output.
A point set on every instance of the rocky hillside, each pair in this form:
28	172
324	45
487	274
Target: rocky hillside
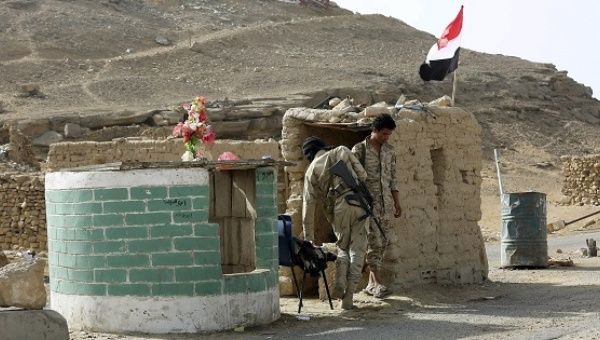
117	67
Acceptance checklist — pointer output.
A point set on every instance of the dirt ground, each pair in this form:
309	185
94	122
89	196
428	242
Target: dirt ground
554	303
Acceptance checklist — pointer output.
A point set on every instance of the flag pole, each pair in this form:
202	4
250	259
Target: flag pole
454	81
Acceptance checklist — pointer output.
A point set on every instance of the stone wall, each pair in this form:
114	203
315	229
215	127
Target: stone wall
581	184
22	206
22	212
20	150
437	239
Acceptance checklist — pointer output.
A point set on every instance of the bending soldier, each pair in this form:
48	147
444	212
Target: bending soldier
378	158
348	219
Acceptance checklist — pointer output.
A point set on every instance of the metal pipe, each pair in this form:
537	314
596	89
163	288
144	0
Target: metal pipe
583	217
496	157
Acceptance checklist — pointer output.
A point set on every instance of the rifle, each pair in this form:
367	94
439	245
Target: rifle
361	193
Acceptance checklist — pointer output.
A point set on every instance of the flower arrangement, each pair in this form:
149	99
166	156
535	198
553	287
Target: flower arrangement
195	130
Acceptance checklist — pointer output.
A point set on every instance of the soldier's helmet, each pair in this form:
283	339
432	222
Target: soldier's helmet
311	146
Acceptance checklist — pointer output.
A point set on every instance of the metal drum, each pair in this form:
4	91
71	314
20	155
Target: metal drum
524	230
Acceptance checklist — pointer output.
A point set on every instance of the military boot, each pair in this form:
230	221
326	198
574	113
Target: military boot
348	299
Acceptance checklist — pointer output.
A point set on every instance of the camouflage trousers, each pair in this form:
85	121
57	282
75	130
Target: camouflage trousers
376	242
351	233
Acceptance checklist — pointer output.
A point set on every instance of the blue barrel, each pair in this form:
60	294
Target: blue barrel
524	241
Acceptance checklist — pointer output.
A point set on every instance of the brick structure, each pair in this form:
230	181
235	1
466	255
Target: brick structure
581	183
73	154
437	239
137	250
22	211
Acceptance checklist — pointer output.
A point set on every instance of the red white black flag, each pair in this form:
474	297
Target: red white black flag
442	58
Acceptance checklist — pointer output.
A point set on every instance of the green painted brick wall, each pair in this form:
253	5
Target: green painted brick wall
152	241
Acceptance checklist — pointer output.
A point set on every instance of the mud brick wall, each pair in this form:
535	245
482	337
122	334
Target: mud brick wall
74	154
22	212
581	183
24	225
437	239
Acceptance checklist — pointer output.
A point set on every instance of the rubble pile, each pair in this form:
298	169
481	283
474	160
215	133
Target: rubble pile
581	184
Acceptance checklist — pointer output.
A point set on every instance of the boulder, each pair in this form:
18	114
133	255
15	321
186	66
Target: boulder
334	101
33	324
376	110
28	90
22	284
343	107
72	130
100	119
33	127
162	40
159	120
49	137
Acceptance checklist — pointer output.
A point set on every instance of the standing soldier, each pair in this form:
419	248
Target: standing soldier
348	219
378	158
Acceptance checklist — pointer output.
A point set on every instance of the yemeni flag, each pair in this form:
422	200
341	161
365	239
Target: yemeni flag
442	58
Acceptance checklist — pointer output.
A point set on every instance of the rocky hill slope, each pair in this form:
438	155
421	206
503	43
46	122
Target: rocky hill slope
122	62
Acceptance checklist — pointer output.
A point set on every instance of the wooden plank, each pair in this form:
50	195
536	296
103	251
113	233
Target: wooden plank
244	194
340	126
222	189
233	241
223	248
238	194
247	242
229	165
251	195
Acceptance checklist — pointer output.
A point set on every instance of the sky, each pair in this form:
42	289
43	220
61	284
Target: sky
564	33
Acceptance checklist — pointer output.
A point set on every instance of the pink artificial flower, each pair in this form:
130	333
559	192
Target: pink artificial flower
203	117
177	130
200	130
228	156
209	137
186	106
186	132
201	101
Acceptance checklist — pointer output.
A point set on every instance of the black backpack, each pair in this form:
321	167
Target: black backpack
311	259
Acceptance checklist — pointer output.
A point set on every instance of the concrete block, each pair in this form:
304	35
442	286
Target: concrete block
29	324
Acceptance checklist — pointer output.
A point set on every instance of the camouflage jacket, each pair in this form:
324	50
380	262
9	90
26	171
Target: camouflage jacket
319	185
381	171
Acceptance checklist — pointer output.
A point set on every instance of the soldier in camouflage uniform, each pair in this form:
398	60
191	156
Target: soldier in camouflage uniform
379	160
347	217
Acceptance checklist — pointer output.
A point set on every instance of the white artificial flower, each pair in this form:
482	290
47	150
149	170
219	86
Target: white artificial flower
187	156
